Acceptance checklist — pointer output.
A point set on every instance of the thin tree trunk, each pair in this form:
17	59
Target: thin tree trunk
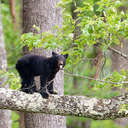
44	14
13	12
5	115
98	62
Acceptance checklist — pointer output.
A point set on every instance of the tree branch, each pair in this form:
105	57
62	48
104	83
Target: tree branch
91	78
118	52
94	108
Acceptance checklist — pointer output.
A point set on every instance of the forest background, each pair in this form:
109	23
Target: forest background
94	34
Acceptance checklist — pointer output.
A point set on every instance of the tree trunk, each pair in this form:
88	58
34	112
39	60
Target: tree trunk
5	115
44	14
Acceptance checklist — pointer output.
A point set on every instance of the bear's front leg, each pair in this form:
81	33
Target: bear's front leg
43	88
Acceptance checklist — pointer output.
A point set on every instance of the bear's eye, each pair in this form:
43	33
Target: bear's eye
60	62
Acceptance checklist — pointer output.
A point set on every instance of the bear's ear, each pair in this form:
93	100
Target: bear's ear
54	54
66	56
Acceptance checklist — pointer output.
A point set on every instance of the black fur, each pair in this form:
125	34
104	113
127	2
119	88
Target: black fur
31	65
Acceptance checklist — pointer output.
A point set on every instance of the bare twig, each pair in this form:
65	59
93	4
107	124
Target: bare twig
90	78
118	52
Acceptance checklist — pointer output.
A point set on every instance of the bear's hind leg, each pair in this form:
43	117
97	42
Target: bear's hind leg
32	85
50	88
28	85
24	86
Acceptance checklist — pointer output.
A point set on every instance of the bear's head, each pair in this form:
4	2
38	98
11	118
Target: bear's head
59	60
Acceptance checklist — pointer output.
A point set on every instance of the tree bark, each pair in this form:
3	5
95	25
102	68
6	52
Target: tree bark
94	108
5	116
45	15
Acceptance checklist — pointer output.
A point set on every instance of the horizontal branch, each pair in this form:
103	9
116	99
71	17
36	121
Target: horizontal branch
94	108
91	78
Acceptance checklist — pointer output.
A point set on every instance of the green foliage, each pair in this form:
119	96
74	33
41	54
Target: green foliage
104	124
15	119
104	24
12	79
115	79
30	40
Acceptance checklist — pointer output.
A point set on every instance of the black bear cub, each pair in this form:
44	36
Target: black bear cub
31	65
